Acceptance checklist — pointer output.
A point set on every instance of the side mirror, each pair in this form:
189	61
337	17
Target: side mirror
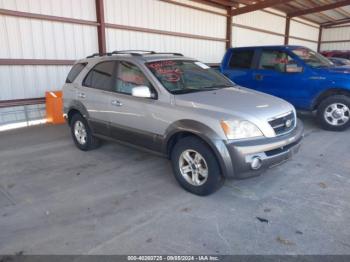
141	91
293	68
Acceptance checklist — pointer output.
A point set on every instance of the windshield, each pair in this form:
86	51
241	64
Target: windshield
312	58
180	77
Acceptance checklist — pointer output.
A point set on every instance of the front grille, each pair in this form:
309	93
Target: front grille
283	124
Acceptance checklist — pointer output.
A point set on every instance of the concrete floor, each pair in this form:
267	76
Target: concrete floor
55	199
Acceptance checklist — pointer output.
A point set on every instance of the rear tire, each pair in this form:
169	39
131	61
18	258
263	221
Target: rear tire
195	166
81	133
334	113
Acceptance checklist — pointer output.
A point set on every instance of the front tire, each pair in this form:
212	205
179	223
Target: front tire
195	166
81	133
334	113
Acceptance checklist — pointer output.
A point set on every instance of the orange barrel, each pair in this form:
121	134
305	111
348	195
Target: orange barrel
54	107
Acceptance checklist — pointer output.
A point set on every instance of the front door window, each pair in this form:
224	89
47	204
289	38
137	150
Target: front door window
128	77
275	60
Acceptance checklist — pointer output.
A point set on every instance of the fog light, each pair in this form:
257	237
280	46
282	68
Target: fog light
256	163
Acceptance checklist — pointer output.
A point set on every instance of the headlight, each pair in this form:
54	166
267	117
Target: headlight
240	129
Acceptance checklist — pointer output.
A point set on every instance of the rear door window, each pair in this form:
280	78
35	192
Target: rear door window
101	76
242	59
75	71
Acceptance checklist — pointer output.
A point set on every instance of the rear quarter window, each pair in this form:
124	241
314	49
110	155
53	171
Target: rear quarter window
74	72
241	59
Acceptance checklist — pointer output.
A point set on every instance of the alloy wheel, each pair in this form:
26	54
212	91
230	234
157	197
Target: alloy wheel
193	167
337	114
80	132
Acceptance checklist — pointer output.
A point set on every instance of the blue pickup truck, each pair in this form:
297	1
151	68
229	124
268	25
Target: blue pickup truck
297	74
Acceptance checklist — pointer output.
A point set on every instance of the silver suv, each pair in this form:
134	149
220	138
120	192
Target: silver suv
208	126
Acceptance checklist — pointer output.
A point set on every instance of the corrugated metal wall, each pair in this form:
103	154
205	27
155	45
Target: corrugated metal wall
204	50
64	8
243	33
153	14
336	34
304	30
270	27
38	39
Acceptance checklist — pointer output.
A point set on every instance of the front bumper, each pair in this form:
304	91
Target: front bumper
269	151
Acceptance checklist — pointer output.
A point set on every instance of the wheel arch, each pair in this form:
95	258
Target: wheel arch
327	93
185	128
71	113
77	107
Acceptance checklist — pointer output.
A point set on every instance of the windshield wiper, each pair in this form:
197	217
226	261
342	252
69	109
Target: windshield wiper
206	88
185	91
214	87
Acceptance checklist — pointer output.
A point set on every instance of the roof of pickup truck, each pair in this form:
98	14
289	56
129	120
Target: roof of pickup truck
270	46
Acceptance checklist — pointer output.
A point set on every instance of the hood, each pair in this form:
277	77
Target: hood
238	102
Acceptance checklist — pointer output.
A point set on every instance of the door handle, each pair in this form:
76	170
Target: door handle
116	103
81	95
259	77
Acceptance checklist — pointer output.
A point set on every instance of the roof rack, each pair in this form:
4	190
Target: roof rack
134	53
169	53
93	55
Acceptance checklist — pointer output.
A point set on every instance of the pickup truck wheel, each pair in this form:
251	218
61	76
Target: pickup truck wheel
195	166
82	134
334	113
